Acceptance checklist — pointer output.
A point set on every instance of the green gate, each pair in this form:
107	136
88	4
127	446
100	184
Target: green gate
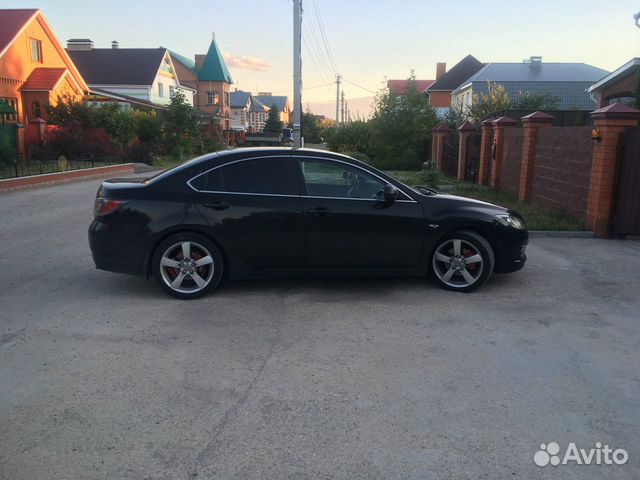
9	136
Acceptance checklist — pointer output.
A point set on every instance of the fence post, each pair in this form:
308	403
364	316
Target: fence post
485	151
439	133
498	147
610	122
531	123
466	129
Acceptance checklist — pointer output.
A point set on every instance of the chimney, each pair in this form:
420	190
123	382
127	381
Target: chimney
535	62
115	45
441	69
79	44
199	60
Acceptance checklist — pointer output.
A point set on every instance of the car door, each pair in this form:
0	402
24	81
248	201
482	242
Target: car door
254	210
349	224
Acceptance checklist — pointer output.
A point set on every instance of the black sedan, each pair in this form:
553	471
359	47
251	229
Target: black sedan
257	212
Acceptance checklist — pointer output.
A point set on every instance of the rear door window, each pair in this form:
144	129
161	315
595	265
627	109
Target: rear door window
265	176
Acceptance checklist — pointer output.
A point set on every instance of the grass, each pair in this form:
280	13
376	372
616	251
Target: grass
537	217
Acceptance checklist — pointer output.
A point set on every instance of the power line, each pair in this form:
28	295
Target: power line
306	88
323	33
359	86
315	55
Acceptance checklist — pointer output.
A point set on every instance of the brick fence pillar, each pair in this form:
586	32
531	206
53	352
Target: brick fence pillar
439	133
498	147
610	122
485	151
466	129
531	123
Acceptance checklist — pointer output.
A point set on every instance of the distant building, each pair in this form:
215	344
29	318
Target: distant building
258	114
399	87
130	76
439	92
619	86
280	101
566	81
240	110
209	76
34	71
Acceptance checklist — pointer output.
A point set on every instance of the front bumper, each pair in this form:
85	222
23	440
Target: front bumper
511	255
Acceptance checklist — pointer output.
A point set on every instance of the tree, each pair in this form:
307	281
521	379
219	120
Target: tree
353	137
311	128
180	125
537	101
486	104
273	125
119	123
401	127
455	116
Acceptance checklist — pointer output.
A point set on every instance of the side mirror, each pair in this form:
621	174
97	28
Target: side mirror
390	193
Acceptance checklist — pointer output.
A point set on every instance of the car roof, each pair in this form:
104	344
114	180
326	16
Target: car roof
257	152
225	156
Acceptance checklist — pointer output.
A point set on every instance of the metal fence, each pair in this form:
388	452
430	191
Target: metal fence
23	168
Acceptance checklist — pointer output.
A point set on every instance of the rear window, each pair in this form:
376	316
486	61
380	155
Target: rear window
261	176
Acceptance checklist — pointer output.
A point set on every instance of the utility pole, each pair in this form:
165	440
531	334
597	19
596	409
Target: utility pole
342	106
338	78
297	73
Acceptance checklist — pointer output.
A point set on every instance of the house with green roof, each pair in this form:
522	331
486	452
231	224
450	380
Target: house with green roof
209	76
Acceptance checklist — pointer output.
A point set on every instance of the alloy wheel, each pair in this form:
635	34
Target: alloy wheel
458	263
187	267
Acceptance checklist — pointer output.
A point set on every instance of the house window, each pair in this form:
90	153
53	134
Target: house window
226	98
13	103
171	90
212	98
36	111
36	50
161	89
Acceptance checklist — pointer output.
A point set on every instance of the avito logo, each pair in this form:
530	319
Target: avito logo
600	455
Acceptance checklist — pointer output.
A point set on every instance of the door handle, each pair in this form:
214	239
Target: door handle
216	205
319	211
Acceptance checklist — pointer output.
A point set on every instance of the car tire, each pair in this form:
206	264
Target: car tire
462	261
187	265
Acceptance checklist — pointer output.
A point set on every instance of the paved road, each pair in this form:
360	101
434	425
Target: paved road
102	376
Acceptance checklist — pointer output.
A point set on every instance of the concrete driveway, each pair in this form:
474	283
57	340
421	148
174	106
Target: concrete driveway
102	376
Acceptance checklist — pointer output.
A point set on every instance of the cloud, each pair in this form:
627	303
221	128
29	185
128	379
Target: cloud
246	63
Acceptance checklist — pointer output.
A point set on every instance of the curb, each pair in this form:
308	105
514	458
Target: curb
50	179
560	234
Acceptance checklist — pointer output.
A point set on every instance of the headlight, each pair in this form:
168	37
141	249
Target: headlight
510	221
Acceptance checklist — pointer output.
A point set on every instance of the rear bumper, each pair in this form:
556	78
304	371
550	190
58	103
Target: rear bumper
115	253
119	267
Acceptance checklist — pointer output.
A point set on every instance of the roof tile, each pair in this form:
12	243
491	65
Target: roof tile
43	79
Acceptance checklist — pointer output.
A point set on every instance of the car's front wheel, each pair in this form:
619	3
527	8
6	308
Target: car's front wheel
462	261
187	265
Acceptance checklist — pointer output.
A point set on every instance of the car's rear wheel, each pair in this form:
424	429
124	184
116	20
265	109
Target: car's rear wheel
462	261
187	265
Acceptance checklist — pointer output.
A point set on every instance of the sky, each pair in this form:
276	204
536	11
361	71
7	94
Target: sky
366	41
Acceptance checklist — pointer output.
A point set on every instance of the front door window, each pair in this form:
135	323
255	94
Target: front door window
329	179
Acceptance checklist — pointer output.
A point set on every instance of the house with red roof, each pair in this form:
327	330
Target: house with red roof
35	71
399	87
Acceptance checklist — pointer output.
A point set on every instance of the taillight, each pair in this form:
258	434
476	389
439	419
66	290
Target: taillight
105	206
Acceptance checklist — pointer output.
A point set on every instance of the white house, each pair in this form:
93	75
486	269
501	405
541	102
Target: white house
143	74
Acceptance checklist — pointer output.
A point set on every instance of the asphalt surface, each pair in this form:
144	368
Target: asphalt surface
103	376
